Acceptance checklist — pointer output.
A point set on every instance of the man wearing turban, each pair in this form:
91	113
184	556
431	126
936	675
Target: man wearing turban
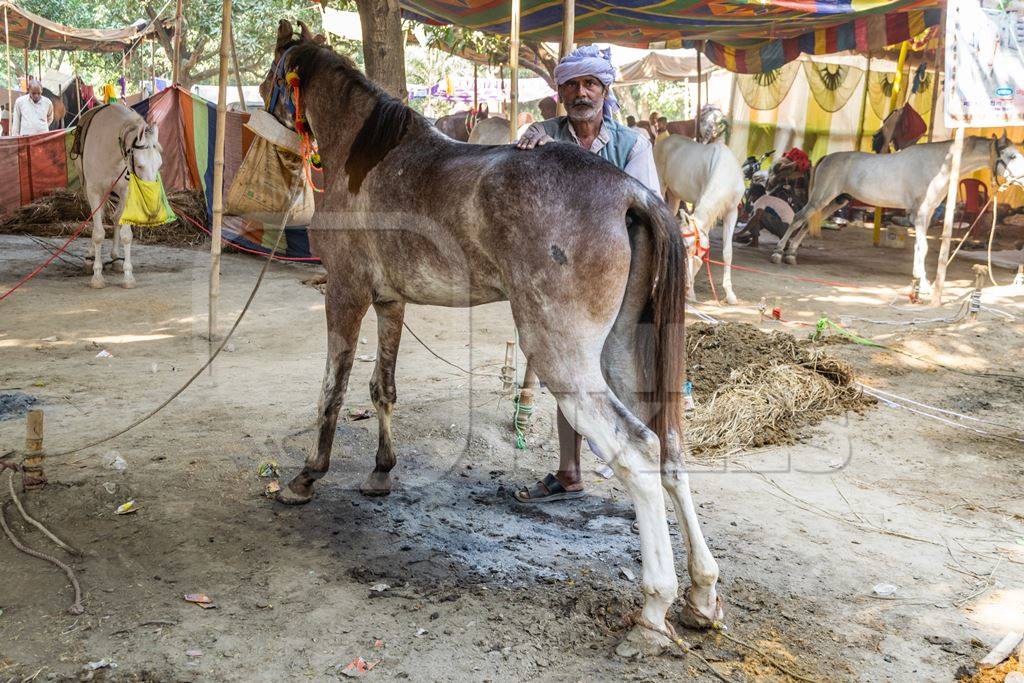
584	78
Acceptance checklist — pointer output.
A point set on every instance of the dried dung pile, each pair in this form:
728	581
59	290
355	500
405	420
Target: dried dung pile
60	213
755	388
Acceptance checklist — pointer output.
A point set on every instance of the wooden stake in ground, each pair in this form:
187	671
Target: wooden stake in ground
34	457
955	151
218	171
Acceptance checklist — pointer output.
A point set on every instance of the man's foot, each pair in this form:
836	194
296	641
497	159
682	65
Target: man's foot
549	489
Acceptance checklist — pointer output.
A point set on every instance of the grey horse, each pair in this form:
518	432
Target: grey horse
915	179
591	262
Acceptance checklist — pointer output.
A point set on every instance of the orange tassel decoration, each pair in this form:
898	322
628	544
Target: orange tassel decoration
310	155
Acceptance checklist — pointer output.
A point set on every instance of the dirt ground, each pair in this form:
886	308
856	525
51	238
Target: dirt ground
478	587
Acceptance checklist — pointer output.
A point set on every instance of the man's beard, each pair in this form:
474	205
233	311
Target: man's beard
584	109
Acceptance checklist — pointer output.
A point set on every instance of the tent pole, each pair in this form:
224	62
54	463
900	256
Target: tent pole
938	67
864	105
10	85
956	151
218	171
568	38
476	101
513	65
176	67
238	72
28	73
152	63
876	233
696	116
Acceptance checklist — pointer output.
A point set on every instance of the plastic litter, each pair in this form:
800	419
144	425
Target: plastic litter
110	487
271	489
267	469
116	462
356	414
357	668
100	664
627	574
104	354
126	508
200	600
193	653
379	587
366	358
885	590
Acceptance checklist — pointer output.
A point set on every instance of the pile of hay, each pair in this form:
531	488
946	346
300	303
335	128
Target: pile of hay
58	215
756	388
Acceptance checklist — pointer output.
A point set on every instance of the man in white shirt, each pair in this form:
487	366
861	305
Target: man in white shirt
33	113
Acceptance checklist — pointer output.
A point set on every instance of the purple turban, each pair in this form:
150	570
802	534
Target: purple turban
590	60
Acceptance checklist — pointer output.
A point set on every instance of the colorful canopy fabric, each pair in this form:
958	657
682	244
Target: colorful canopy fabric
28	30
748	36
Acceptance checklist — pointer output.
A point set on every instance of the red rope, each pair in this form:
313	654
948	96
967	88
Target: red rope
239	247
711	280
64	246
831	283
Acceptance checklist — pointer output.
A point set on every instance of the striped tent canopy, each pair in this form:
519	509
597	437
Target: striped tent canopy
33	32
746	36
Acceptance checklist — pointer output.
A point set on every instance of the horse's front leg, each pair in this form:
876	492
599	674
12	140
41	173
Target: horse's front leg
383	394
728	228
126	238
345	307
922	217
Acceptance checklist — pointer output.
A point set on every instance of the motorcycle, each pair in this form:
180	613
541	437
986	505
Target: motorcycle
756	180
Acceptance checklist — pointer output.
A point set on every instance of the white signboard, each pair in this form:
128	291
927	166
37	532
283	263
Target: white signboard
984	63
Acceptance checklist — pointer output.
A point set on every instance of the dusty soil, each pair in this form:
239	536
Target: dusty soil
480	588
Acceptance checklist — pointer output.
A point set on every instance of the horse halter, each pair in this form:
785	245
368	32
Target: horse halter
128	151
281	86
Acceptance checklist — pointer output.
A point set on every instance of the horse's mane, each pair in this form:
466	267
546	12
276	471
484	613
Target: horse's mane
382	130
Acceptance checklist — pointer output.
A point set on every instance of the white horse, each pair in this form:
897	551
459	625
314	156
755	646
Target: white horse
708	177
915	179
114	141
493	131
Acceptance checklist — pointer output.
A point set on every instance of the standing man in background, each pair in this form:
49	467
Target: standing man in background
33	113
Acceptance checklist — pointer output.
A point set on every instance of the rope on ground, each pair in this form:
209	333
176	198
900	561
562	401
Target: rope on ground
67	243
213	356
33	521
826	323
76	606
771	660
445	360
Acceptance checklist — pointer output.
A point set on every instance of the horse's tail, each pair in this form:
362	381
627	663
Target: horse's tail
655	305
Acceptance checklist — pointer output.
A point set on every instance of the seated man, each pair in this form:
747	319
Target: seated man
584	79
767	213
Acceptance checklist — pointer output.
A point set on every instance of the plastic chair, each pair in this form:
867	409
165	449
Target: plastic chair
974	194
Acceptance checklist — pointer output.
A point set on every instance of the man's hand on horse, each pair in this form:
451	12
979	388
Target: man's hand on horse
532	138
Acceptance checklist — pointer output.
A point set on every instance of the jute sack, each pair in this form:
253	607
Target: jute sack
272	169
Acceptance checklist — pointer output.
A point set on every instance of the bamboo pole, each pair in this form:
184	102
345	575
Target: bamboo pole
956	152
10	84
568	38
218	171
696	116
238	72
28	73
876	233
32	467
513	65
152	63
176	67
864	105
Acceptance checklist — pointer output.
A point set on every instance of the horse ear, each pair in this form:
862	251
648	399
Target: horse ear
284	32
155	130
304	31
320	39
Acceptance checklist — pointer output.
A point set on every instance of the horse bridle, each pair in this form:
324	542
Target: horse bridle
281	86
128	151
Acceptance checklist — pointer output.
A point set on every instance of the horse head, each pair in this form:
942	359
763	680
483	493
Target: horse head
275	89
146	154
713	123
1009	162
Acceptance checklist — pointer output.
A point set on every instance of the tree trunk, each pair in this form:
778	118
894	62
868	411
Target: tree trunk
384	44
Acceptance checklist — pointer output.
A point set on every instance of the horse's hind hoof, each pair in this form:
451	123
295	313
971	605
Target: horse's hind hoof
789	259
129	283
290	496
97	283
377	484
642	642
701	618
776	257
731	299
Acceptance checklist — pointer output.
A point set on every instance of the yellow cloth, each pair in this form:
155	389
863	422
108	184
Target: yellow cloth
109	93
146	204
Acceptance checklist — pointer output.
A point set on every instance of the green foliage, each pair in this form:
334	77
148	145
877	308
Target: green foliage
672	100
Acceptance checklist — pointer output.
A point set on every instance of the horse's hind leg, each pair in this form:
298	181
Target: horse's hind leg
634	453
798	237
97	281
345	310
728	228
382	391
702	606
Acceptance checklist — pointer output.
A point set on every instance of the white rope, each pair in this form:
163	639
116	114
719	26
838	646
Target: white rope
936	408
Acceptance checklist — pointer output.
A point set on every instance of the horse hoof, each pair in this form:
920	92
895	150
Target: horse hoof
97	283
789	259
701	617
129	283
295	494
776	257
731	299
377	484
642	642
